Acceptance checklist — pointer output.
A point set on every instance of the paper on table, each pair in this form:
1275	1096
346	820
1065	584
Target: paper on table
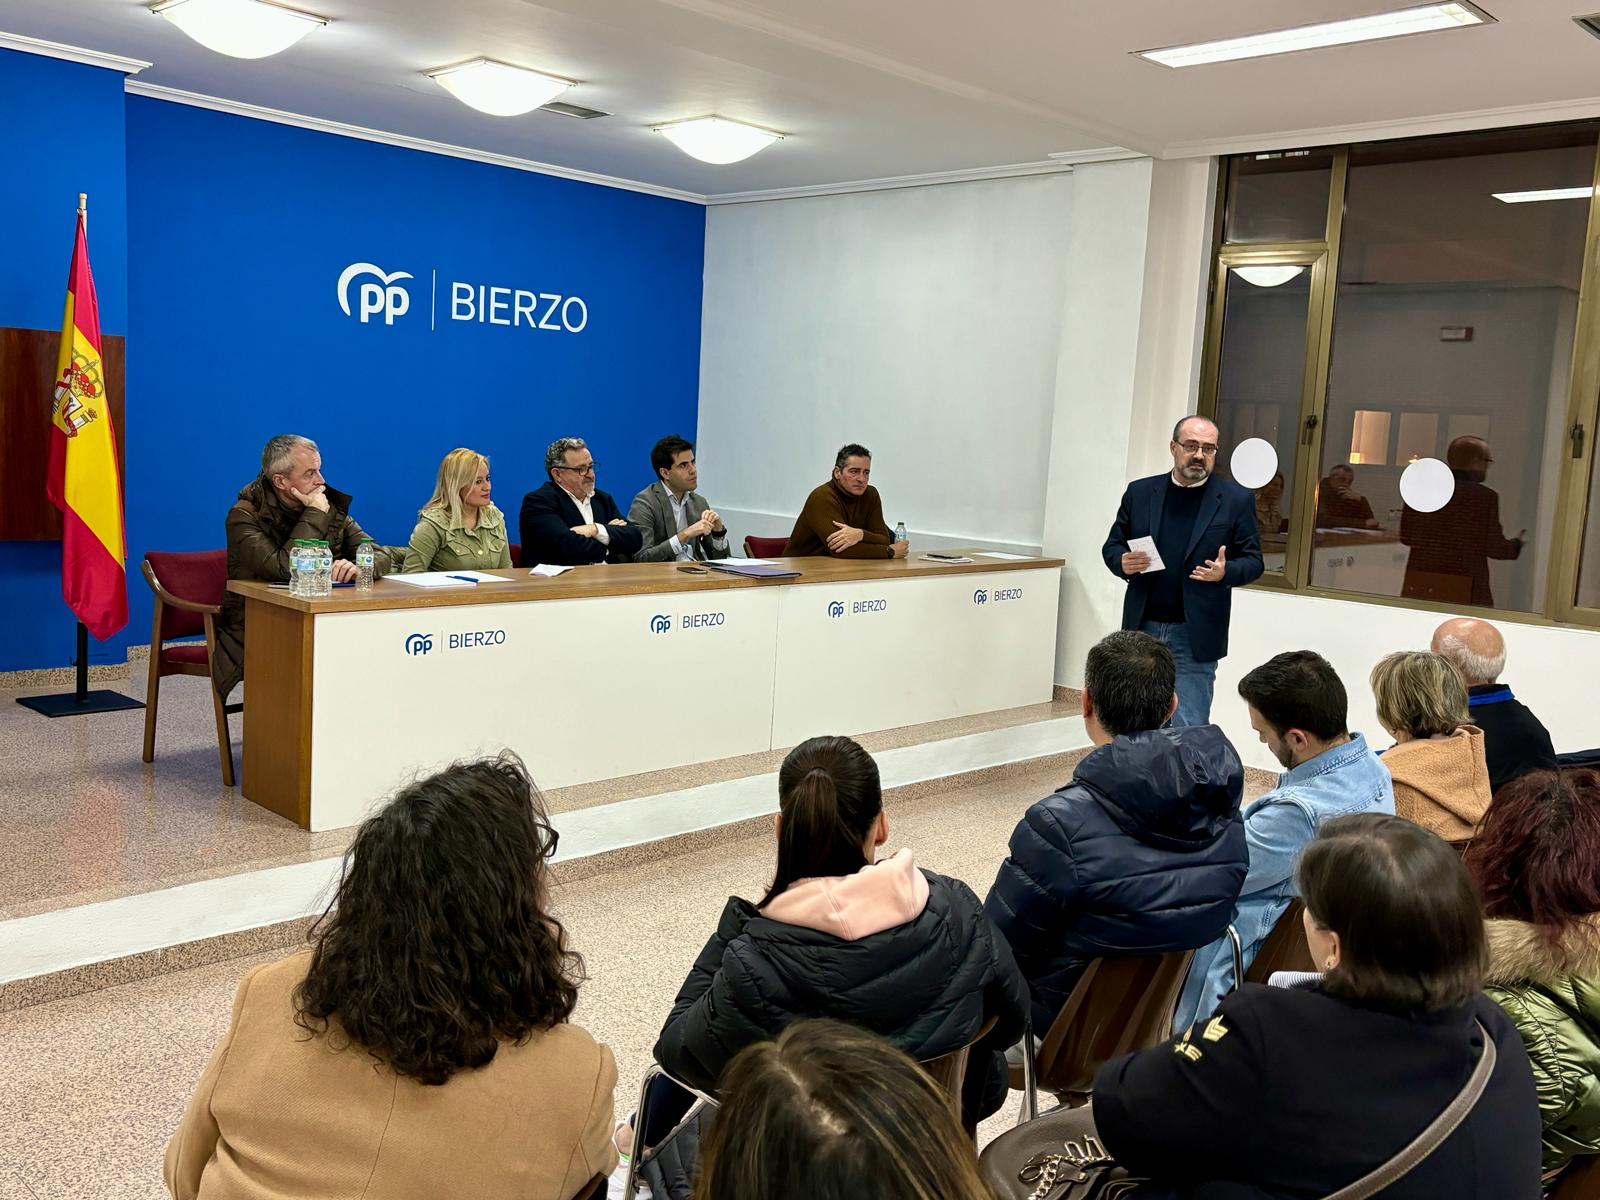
750	562
432	579
1004	555
546	571
1147	545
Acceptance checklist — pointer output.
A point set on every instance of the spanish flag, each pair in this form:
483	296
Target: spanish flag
83	481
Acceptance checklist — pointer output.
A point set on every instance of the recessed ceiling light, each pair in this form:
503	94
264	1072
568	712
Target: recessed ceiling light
498	88
1573	193
1425	18
1270	275
717	139
240	28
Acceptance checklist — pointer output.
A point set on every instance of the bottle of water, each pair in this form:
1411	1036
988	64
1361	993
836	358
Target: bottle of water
324	569
299	569
366	561
900	532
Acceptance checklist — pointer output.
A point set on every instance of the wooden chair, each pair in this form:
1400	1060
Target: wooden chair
188	588
760	547
1285	948
516	554
1580	1181
1117	1006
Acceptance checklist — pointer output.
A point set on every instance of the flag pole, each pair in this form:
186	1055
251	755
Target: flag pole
80	700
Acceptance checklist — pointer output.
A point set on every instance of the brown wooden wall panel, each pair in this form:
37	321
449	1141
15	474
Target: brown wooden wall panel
27	386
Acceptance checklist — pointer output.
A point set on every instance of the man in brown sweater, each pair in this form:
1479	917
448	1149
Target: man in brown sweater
844	517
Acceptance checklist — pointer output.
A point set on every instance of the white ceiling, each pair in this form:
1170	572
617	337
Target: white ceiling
867	90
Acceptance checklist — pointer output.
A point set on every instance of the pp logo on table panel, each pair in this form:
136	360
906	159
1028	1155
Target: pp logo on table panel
660	623
835	608
980	596
419	643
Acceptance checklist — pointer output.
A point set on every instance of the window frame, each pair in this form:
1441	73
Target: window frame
1583	405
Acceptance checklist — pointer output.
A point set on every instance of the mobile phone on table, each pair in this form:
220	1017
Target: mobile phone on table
688	570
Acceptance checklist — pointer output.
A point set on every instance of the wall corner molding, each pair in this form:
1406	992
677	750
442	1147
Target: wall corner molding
894	182
77	54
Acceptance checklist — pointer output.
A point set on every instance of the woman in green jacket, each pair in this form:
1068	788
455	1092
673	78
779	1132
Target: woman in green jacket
1536	860
459	529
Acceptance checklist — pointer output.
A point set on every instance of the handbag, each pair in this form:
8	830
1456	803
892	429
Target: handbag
1063	1157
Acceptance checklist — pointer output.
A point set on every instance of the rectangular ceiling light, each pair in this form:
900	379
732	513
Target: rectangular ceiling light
1425	18
1574	193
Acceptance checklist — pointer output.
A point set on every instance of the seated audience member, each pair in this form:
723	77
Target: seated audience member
1440	778
844	517
568	521
904	952
1269	507
1143	852
1301	1092
828	1111
459	528
288	502
422	1046
1298	707
1339	505
1536	860
1514	741
674	520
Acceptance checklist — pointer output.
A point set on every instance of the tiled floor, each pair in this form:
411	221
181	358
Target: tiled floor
83	819
90	1087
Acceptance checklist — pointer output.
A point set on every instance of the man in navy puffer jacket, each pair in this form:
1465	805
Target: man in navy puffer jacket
1143	852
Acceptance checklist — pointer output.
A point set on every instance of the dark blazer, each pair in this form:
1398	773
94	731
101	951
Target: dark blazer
1514	740
548	516
1143	852
1227	517
1295	1094
1451	547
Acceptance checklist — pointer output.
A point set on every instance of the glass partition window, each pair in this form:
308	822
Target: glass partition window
1281	196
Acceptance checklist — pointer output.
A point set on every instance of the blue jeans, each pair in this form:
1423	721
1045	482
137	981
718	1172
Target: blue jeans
1196	680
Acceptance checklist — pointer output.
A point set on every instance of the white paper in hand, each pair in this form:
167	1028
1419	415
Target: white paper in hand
1147	545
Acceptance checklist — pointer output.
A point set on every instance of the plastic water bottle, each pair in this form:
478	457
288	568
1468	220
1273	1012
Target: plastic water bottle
299	569
324	569
900	532
366	560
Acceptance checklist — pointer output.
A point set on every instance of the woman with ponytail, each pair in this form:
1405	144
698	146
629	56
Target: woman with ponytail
880	943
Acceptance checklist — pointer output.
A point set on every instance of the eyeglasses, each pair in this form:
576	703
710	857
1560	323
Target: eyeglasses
588	468
1206	448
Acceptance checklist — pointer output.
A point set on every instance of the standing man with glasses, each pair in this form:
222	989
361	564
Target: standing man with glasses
1204	530
568	521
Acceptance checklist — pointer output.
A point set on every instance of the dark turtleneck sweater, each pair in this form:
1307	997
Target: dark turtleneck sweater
1179	509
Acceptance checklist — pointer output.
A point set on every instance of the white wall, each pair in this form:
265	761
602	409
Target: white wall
921	322
1551	670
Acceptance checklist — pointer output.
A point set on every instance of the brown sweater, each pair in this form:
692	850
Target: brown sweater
281	1115
830	503
1441	783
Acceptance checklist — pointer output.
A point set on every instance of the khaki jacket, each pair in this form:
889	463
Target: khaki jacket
281	1115
435	546
260	531
1441	783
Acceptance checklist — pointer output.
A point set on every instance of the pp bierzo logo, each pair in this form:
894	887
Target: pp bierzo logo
381	294
419	643
660	623
386	297
835	609
980	596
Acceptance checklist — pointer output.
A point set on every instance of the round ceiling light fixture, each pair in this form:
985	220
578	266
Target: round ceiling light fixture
1270	275
239	28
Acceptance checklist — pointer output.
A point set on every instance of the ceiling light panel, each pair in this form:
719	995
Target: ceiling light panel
1425	18
1533	197
717	140
498	88
239	28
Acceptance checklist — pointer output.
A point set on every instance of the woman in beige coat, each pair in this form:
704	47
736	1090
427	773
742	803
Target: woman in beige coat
1441	779
421	1048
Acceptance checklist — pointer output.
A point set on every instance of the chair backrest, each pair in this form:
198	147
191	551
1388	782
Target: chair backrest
1118	1005
1285	948
198	576
949	1071
516	554
1580	1181
760	547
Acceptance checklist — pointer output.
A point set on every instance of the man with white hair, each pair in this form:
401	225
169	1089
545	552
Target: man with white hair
1514	740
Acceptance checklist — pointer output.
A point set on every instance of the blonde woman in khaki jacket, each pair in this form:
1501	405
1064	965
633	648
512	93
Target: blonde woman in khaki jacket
1441	778
421	1048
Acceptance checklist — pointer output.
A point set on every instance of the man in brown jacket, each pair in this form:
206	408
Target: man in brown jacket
288	502
844	517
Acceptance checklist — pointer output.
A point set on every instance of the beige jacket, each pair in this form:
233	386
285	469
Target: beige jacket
281	1115
1441	783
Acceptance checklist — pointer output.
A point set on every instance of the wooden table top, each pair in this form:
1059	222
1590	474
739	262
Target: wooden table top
624	579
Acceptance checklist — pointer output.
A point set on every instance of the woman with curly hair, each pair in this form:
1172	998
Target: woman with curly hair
421	1047
1537	862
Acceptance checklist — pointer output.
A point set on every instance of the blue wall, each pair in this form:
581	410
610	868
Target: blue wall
238	232
61	133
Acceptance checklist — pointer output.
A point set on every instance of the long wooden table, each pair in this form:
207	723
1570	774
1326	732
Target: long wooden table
608	671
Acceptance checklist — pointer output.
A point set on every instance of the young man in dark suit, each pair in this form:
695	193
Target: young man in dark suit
1205	534
568	521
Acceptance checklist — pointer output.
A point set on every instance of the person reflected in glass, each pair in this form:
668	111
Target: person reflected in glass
1339	505
1269	507
1451	548
460	528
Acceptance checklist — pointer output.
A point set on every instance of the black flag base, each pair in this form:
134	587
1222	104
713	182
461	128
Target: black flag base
80	701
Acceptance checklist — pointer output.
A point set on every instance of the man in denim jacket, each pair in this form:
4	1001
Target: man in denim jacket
1298	707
